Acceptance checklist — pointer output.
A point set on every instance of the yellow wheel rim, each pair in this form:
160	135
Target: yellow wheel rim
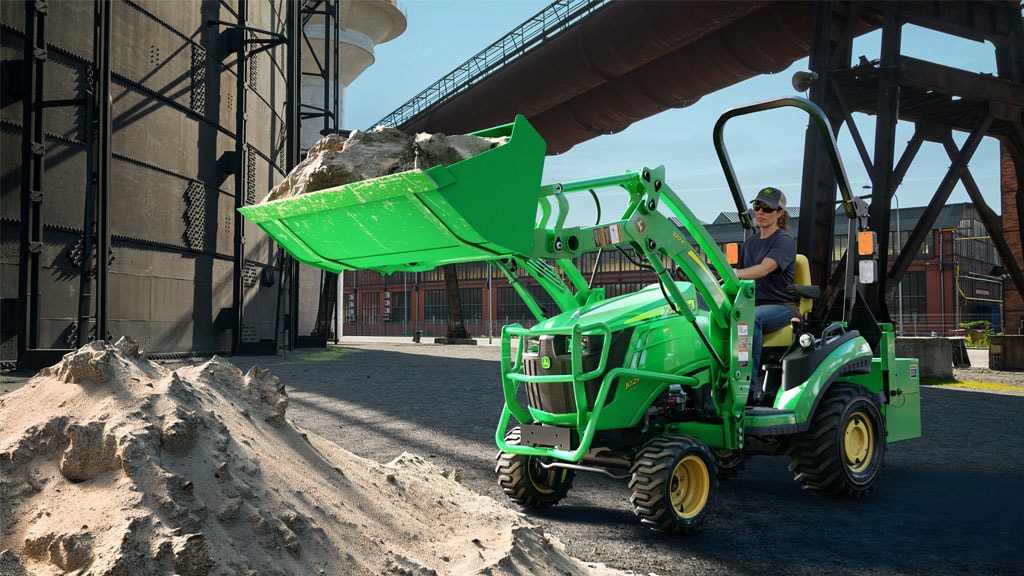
534	470
689	487
858	442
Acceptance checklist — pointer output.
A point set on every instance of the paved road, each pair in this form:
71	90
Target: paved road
949	503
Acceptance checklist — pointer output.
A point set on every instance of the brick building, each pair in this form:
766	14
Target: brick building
1014	305
958	258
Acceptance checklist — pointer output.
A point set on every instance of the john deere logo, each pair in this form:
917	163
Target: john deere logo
545	362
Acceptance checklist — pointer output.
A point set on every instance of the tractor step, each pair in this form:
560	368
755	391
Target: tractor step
764	421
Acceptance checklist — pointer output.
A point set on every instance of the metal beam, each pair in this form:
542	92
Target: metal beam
931	213
906	159
818	192
95	232
973	20
287	301
241	179
989	218
886	119
33	157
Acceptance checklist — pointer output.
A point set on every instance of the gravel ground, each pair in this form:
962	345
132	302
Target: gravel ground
948	503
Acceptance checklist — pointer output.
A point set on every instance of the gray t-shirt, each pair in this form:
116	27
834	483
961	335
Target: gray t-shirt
780	247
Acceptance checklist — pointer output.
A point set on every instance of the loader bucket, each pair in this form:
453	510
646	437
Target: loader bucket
481	208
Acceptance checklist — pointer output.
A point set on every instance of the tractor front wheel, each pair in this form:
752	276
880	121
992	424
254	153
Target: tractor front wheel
674	484
526	482
841	454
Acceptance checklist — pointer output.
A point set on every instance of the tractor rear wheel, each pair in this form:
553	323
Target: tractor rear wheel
842	453
674	484
526	482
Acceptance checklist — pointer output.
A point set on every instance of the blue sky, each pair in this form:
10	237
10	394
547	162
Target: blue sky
766	149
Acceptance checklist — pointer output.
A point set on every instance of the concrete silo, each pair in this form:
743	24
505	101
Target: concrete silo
343	47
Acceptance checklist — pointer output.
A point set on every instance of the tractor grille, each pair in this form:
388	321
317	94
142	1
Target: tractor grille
557	397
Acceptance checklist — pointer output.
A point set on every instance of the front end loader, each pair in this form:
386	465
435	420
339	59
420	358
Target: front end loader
653	387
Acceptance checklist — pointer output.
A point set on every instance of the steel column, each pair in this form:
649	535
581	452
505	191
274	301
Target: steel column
818	192
95	231
241	178
882	181
287	319
33	151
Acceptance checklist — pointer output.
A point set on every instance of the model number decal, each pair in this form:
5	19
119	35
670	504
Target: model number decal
632	383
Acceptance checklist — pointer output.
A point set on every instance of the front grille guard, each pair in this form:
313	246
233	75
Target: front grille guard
513	376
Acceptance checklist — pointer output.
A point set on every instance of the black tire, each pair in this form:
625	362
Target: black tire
674	484
842	453
729	462
526	482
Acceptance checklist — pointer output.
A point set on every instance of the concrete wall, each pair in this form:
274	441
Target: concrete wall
935	355
1006	352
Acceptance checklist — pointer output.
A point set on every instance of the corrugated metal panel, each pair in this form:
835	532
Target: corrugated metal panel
171	201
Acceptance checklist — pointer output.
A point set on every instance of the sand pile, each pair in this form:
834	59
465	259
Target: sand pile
336	160
111	464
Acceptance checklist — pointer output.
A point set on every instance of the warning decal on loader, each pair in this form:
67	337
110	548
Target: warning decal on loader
606	235
742	348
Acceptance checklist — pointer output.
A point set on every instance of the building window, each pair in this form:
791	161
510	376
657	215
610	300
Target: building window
435	306
472	270
838	247
396	306
434	275
972	241
914	289
511	309
469	298
897	242
369	307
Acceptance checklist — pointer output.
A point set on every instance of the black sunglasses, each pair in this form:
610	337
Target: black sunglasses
764	208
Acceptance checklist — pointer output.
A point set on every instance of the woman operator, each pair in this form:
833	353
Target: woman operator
769	258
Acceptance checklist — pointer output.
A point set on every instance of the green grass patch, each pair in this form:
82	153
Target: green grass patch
993	386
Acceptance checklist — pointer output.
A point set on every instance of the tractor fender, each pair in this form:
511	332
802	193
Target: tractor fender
800	364
848	355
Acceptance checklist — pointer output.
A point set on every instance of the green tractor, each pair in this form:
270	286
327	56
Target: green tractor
652	387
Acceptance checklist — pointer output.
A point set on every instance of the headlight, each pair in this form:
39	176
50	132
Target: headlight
592	344
805	340
532	345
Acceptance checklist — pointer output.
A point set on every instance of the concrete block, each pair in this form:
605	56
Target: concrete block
935	355
1006	352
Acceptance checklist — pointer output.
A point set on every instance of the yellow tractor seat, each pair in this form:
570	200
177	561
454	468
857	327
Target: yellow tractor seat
783	337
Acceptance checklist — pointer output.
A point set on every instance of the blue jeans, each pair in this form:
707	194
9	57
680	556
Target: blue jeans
767	318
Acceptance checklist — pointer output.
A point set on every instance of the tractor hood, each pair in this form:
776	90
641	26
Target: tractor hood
628	310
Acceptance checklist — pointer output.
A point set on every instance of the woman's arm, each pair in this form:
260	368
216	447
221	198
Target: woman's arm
764	268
